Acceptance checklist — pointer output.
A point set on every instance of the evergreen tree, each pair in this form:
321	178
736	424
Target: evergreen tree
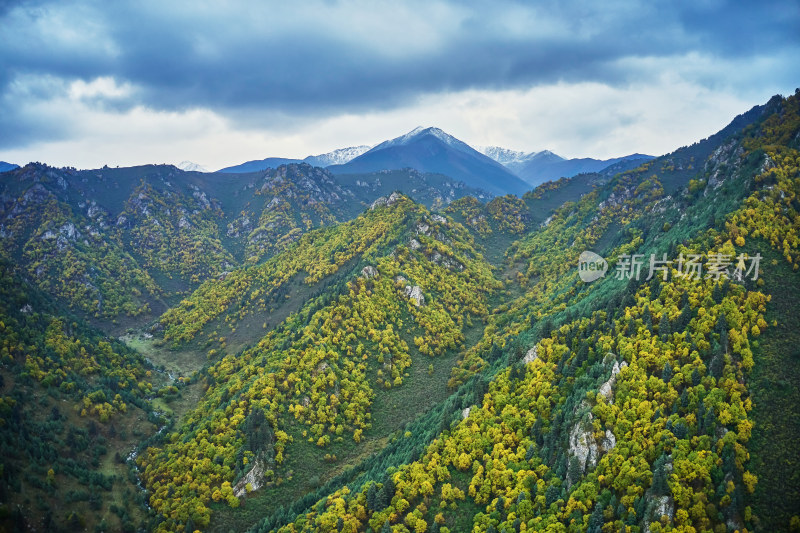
663	326
666	373
372	497
596	519
575	470
659	485
717	366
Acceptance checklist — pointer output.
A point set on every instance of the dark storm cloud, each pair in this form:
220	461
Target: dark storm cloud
333	57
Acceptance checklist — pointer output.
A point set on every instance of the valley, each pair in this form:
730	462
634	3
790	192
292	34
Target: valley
380	346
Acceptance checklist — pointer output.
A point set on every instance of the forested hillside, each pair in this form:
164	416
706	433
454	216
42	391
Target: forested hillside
290	350
623	405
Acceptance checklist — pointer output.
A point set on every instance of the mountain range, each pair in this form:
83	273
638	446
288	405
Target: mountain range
307	349
495	169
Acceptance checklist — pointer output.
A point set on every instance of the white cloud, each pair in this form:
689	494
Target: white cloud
104	87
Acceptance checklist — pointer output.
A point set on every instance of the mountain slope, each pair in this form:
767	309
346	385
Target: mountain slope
315	379
377	366
634	403
5	167
73	404
432	150
432	190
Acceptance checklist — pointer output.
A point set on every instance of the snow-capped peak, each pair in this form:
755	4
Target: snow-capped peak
504	156
339	156
546	155
419	132
189	166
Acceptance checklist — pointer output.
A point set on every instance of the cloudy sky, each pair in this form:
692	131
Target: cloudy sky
88	83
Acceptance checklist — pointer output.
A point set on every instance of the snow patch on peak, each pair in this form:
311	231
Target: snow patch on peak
339	156
504	156
420	132
190	166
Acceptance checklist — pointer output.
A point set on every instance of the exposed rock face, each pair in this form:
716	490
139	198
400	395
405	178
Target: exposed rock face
384	200
582	444
69	231
255	478
607	388
532	355
609	442
415	245
715	164
465	412
662	506
446	262
415	293
369	272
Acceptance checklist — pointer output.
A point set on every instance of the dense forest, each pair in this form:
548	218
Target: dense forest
290	350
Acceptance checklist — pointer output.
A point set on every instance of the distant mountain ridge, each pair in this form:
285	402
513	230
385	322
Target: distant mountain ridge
538	167
539	170
334	157
5	167
515	160
495	169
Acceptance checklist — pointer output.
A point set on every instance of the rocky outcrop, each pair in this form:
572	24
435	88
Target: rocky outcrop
415	293
446	261
661	506
609	442
582	444
607	388
369	272
412	291
531	355
254	477
585	448
385	200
